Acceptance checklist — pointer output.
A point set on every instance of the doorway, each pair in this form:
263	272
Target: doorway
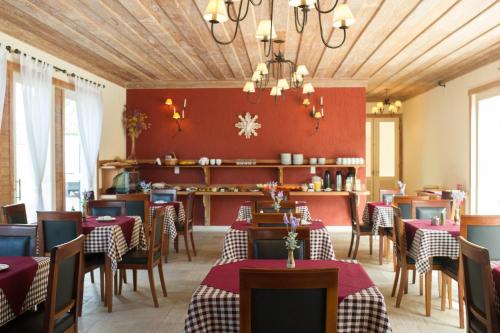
383	153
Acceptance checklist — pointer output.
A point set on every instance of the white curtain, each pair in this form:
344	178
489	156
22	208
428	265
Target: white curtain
37	96
3	80
89	110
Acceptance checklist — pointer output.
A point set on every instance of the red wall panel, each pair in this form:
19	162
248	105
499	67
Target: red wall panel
208	130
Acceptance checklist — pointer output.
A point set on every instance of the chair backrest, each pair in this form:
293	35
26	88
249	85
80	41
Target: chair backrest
483	230
155	238
271	219
55	228
15	214
136	204
18	239
65	275
288	300
269	243
426	209
189	210
106	208
400	235
387	194
267	206
356	222
404	203
479	288
165	195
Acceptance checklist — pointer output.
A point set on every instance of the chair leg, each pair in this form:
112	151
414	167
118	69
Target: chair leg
355	254
444	282
101	282
115	282
461	300
350	246
371	244
176	243
420	284
380	247
124	276
120	284
162	279
192	243
450	299
80	291
387	246
402	283
92	277
134	279
428	290
152	286
440	281
414	276
186	243
395	284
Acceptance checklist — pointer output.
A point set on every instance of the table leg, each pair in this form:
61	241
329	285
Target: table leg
109	283
428	290
380	246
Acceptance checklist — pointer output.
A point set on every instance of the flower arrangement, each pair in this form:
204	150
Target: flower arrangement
277	196
291	238
135	122
145	187
458	197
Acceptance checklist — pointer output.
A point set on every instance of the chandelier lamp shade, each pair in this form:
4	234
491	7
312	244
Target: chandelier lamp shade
387	106
220	11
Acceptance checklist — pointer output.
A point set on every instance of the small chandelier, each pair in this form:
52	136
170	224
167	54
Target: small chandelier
220	11
286	73
387	106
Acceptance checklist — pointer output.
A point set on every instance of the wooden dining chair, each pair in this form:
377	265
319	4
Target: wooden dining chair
479	288
271	219
404	202
55	228
148	259
404	262
186	228
165	195
387	194
268	243
136	204
106	208
426	209
269	300
267	206
359	228
14	214
18	239
63	297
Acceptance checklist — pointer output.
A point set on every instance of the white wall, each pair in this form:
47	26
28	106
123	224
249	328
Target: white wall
436	126
114	97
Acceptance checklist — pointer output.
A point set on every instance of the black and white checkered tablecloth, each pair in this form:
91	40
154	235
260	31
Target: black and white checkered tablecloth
432	243
235	245
382	217
216	310
171	217
110	240
36	294
245	212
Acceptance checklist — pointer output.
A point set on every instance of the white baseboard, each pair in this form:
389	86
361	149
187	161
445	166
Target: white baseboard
225	228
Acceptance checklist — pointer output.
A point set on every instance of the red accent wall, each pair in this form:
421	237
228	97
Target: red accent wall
208	130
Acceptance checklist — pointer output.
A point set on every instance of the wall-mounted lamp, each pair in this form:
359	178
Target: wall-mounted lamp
176	115
317	115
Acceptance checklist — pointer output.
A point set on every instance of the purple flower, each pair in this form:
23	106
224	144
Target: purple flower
280	195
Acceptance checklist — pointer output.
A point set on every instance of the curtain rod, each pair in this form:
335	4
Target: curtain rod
57	69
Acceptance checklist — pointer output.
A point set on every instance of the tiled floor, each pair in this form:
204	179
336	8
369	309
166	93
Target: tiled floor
134	311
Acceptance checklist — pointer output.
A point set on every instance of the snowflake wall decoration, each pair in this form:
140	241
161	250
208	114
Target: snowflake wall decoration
248	125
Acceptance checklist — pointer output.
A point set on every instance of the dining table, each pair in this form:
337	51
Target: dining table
235	244
114	238
246	209
425	241
175	215
381	217
214	306
23	285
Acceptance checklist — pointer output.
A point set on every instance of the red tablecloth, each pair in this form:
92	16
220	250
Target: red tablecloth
126	223
352	277
372	205
243	225
16	281
176	205
411	227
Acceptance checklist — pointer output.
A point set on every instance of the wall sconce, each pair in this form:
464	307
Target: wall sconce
316	115
176	115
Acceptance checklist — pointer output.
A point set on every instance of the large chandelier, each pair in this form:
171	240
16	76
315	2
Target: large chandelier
283	73
387	106
220	11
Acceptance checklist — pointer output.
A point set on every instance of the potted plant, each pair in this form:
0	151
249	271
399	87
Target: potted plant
291	238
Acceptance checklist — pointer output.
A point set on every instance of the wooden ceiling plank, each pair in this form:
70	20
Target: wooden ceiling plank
153	19
185	20
31	31
459	16
51	17
331	60
424	16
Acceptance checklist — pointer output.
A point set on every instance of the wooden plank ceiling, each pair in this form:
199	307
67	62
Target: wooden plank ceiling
405	46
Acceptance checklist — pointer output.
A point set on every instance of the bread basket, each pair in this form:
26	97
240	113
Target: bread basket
171	159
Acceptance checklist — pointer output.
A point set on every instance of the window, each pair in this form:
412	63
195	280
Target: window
72	154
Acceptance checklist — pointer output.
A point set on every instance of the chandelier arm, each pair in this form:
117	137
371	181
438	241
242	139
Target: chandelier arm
238	18
299	27
317	6
256	3
323	37
222	42
268	51
255	101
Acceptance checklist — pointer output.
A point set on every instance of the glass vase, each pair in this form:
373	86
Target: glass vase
291	260
456	217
